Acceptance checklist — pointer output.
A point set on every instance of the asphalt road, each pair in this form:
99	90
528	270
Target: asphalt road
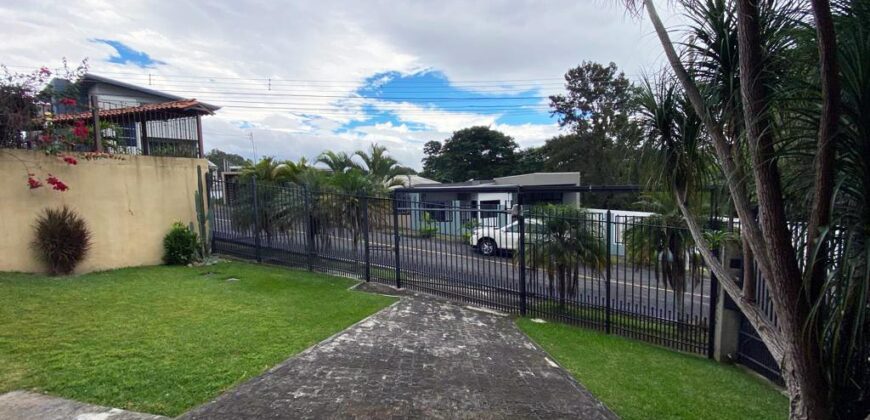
452	267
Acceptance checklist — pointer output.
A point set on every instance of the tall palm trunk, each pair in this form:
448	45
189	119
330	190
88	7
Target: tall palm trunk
800	367
820	215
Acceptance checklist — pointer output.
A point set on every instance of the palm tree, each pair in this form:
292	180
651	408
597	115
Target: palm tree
270	170
381	168
277	202
663	241
337	162
566	241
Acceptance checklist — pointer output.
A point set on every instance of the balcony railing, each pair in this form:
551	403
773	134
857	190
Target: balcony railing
172	128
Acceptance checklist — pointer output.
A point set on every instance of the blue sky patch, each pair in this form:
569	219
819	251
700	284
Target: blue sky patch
432	90
127	55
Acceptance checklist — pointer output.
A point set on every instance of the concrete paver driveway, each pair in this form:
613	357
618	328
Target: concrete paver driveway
417	358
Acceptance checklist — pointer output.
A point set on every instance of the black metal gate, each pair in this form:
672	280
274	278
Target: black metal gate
751	351
601	269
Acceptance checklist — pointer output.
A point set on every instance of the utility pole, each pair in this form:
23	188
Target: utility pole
253	146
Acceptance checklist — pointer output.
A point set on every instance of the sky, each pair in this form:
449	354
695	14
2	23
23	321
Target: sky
297	78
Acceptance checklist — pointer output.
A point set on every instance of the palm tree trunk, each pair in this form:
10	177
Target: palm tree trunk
800	367
820	214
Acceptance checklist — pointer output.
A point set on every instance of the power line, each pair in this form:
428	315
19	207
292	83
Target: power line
278	79
394	98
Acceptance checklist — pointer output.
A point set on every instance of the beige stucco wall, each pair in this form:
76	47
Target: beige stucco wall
128	204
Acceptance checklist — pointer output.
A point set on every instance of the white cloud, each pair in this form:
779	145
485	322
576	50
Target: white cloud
339	41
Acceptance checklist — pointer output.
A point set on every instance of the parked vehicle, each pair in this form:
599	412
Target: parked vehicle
490	240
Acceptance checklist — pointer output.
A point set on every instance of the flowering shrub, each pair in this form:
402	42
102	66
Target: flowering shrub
22	97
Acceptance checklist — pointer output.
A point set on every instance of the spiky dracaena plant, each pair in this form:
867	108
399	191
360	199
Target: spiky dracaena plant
62	240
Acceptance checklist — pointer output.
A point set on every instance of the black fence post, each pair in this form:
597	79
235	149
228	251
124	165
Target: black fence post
521	221
607	273
257	226
713	223
364	203
309	229
209	208
396	239
711	323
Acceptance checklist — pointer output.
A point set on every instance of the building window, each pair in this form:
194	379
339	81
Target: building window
489	205
439	211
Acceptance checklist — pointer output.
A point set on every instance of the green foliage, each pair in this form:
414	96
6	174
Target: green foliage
61	240
428	228
676	152
180	245
381	169
468	229
568	239
663	241
471	153
597	108
219	158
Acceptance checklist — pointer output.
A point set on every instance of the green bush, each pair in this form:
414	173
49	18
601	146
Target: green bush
62	240
180	245
429	228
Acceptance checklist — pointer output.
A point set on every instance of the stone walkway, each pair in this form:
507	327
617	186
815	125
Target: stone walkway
28	405
417	358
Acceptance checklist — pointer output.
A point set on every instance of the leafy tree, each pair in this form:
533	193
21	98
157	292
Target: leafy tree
597	108
471	153
530	160
219	158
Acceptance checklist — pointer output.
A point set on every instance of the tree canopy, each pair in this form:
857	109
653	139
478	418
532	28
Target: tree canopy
471	153
218	157
602	140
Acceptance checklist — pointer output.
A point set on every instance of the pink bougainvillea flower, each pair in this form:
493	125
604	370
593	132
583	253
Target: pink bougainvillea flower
32	182
44	71
70	160
67	101
80	130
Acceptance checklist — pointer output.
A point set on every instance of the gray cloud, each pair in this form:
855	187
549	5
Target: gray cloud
332	40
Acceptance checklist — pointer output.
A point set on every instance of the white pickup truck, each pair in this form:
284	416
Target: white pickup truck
491	240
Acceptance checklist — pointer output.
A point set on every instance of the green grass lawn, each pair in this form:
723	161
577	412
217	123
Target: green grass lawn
640	381
164	339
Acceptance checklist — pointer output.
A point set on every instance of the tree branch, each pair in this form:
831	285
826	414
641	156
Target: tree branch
820	214
736	184
759	320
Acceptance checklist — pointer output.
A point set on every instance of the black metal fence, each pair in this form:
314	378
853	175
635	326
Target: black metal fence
611	272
